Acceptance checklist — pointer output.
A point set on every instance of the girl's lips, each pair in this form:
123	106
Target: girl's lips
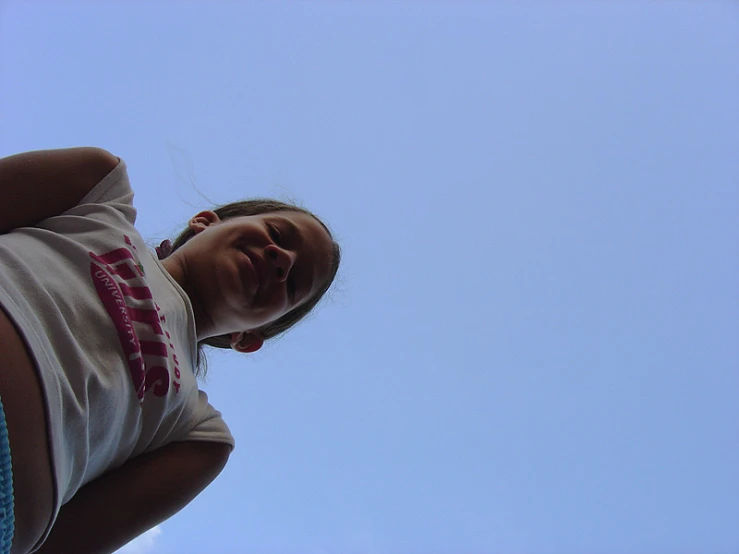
257	265
252	269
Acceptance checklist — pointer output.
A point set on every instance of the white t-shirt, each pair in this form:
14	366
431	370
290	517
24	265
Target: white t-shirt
112	334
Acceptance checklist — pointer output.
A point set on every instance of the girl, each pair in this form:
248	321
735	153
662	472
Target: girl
103	430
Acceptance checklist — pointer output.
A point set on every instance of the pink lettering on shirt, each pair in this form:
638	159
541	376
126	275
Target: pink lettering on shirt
150	317
153	348
139	293
157	379
119	281
112	297
113	257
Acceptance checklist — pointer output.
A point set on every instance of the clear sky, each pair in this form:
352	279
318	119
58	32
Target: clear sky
533	345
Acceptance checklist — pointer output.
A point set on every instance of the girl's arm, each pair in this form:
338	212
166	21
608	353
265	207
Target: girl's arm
40	184
120	505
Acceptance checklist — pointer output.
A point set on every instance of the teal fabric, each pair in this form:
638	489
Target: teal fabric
7	516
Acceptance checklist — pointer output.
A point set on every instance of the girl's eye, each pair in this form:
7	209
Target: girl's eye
274	234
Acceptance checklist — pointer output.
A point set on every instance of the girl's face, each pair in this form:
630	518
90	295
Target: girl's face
245	272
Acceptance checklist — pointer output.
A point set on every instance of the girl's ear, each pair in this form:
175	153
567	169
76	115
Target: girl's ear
203	220
246	342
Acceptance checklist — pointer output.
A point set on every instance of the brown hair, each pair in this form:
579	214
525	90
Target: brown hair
255	207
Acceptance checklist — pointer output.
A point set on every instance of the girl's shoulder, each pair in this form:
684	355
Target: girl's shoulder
61	178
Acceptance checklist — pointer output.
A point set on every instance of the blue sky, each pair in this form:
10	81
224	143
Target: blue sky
532	346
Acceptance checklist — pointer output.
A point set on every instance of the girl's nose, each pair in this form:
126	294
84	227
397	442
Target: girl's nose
280	261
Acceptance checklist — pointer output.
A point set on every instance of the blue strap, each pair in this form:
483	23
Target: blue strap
7	515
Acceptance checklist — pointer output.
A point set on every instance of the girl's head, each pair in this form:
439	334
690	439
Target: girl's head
252	269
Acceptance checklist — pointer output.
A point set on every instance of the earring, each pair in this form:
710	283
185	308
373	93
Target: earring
164	249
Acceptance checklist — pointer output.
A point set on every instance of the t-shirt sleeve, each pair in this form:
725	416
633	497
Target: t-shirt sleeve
113	190
208	424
